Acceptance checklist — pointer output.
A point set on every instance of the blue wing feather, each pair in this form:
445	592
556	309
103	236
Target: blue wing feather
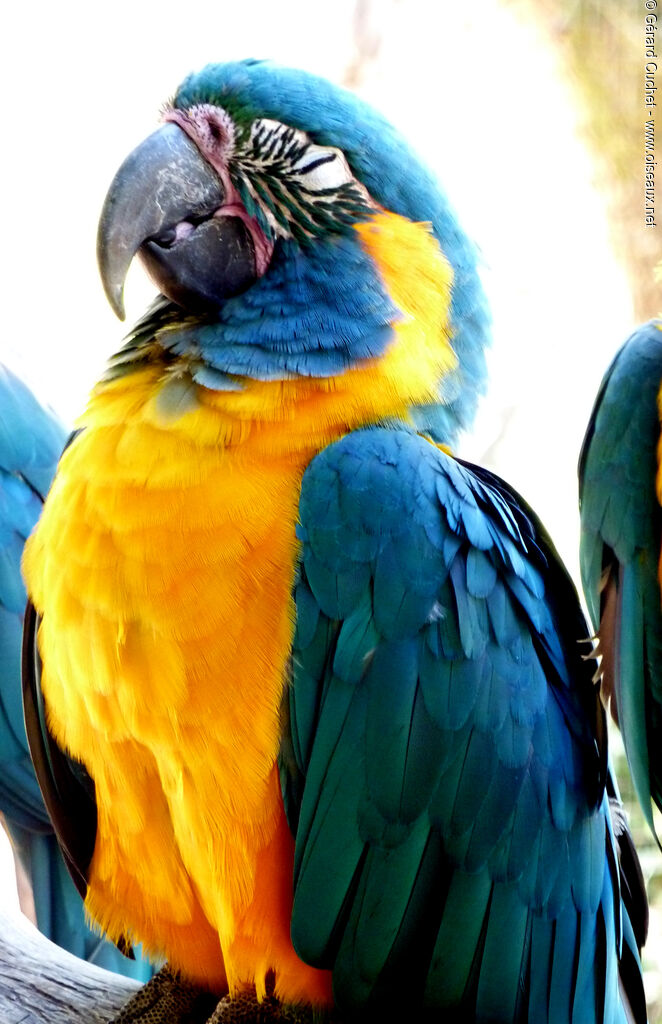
621	524
450	746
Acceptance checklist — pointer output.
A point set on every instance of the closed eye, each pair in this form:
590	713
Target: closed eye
317	163
322	168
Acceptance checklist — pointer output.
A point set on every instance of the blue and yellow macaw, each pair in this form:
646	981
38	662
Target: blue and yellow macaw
31	441
621	517
304	691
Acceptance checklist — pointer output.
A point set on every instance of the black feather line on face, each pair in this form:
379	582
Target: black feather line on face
288	197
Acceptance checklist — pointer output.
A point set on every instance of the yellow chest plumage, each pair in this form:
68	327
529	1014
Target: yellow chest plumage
167	577
163	568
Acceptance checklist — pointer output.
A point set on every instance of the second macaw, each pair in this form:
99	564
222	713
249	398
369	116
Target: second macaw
621	549
305	692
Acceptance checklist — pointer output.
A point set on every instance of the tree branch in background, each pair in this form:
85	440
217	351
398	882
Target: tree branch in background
601	43
39	982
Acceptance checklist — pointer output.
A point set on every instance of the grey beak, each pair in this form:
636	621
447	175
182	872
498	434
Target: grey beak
164	181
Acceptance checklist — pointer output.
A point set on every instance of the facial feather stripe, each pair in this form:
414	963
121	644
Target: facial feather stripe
293	187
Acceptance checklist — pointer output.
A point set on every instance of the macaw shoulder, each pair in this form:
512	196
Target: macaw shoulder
636	366
618	466
31	438
625	423
428	549
395	498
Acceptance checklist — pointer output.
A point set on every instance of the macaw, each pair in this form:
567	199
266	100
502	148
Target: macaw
31	441
304	691
621	529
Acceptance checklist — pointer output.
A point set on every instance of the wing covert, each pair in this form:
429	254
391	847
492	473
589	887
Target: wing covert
448	741
621	524
31	440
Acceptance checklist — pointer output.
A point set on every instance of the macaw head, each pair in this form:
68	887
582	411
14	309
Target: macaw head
243	207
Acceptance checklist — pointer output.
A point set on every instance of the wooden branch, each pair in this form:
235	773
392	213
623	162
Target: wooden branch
39	982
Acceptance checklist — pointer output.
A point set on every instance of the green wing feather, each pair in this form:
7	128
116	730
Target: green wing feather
620	549
453	844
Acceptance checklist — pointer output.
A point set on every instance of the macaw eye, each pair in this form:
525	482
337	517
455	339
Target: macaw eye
289	152
297	188
322	168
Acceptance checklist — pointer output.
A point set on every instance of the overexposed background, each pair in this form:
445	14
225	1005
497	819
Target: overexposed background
482	92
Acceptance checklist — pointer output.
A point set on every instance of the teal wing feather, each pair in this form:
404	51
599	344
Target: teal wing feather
620	549
31	441
446	767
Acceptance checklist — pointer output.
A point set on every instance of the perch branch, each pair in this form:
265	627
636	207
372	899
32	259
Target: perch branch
39	982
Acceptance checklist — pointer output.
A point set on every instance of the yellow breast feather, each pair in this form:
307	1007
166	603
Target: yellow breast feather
163	568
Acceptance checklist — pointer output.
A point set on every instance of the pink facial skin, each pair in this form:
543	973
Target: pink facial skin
212	131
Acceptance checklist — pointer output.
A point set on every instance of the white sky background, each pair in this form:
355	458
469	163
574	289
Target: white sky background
475	90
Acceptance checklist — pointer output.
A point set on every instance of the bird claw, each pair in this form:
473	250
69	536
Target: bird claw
167	999
244	1008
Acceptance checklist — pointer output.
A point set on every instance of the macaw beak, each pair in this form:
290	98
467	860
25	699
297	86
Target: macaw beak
161	205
